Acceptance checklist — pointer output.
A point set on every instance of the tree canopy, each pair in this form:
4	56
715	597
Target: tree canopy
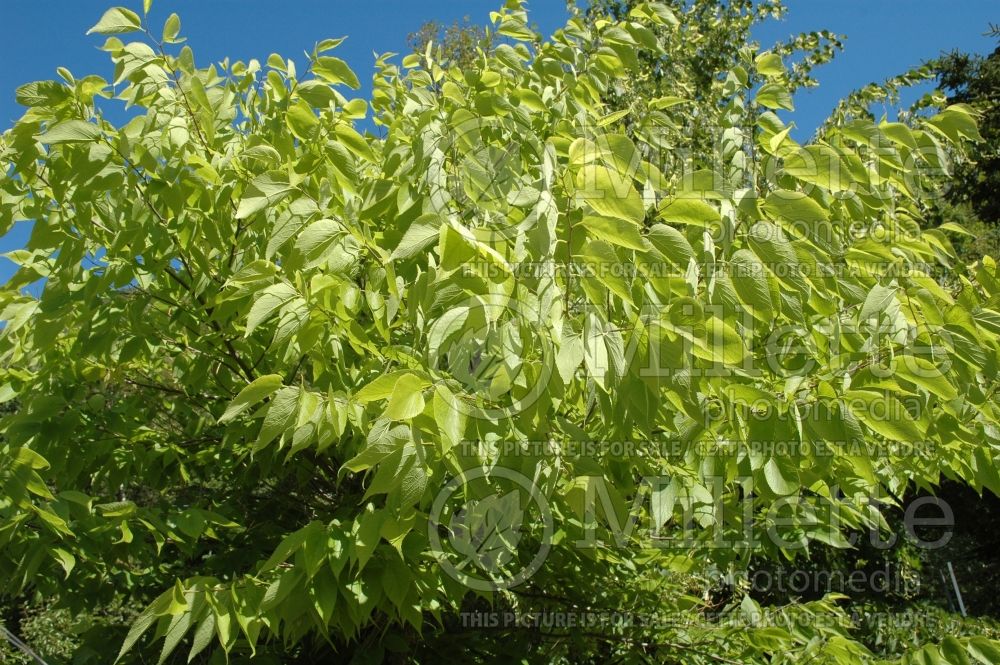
312	373
975	80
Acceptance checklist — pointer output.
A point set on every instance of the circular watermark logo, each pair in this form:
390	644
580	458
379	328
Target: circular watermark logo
498	352
484	165
479	541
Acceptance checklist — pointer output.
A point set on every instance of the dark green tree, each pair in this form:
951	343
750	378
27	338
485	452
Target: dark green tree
975	80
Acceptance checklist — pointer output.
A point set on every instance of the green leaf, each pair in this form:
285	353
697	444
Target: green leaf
599	259
595	351
692	211
819	165
265	190
449	416
334	70
409	476
454	248
795	209
926	374
369	524
516	30
775	96
143	622
772	247
570	355
171	28
71	131
378	389
202	636
769	65
489	530
407	399
418	237
257	390
899	134
672	244
749	278
612	118
662	501
179	625
610	193
318	236
956	123
302	121
267	303
65	559
383	441
722	343
984	650
329	44
30	458
780	479
615	231
117	20
956	228
43	94
877	301
884	414
397	580
354	141
280	416
669	101
686	312
290	544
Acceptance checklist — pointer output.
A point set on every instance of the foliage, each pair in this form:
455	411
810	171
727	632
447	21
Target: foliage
62	636
709	37
270	349
698	48
975	80
983	239
40	625
459	44
894	631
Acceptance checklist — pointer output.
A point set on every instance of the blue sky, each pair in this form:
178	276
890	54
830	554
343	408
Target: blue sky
884	37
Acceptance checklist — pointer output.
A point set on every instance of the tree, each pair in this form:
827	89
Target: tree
700	45
460	43
975	80
970	194
299	390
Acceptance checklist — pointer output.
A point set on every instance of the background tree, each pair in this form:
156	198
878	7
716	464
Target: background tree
970	195
461	42
975	80
700	46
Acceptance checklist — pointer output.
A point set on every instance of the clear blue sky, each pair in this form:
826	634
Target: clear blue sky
885	37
